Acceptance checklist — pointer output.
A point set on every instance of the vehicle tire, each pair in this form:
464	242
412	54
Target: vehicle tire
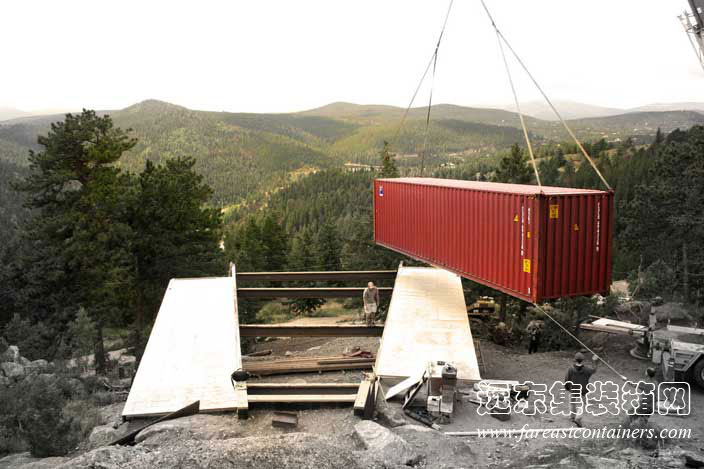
698	373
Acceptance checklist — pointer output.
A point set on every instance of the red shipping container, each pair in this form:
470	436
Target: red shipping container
531	243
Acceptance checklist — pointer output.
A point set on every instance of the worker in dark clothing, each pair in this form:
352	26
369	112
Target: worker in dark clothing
371	302
576	382
534	331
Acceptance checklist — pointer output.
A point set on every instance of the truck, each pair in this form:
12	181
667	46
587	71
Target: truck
484	306
680	353
677	350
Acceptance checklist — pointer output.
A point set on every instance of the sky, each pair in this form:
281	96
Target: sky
284	56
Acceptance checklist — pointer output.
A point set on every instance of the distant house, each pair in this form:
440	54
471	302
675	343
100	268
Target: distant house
354	167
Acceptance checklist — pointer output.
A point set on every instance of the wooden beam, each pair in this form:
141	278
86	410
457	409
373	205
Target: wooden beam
273	330
332	276
302	398
322	292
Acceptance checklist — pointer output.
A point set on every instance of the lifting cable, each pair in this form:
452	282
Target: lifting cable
433	63
623	377
518	106
559	116
432	85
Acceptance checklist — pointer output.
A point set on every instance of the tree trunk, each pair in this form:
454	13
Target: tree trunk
685	273
99	351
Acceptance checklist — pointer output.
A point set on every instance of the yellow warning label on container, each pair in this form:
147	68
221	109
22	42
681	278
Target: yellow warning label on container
526	265
529	235
515	218
554	211
576	227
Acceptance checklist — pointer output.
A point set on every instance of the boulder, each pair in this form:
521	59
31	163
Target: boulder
36	367
165	430
390	416
4	382
12	370
108	457
12	354
103	435
385	445
24	361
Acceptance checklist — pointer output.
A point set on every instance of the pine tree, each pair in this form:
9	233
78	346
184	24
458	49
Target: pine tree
76	243
328	244
388	165
303	258
514	168
274	244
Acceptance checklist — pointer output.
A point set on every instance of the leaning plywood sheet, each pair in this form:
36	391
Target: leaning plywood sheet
605	322
427	321
193	349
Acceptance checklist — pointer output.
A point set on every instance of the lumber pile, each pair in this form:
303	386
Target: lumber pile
307	365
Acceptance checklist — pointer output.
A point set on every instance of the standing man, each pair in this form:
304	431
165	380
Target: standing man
533	330
371	302
576	382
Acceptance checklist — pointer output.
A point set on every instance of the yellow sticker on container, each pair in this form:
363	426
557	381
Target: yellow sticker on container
576	227
515	218
529	235
554	211
526	265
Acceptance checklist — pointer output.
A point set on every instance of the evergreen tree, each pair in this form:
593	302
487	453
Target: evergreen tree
328	244
388	165
303	258
75	242
176	234
274	244
514	168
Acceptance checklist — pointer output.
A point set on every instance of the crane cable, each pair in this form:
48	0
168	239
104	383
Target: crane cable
518	106
623	377
432	62
554	110
432	85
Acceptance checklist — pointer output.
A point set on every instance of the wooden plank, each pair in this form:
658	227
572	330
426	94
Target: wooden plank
275	330
337	276
405	384
308	365
253	387
193	349
427	321
302	398
128	439
284	420
360	401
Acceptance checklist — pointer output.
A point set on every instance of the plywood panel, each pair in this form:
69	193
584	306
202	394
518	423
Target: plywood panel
193	349
427	321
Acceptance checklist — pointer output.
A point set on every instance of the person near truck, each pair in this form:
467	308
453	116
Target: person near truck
533	330
576	382
371	303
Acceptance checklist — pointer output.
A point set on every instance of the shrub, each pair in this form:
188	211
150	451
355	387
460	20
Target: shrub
272	313
34	340
48	430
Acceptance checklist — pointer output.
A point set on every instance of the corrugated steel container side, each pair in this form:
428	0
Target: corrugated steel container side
530	246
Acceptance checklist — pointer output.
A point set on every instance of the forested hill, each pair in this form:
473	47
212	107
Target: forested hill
244	155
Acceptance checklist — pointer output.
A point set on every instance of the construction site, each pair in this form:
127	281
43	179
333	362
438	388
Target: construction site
428	386
426	372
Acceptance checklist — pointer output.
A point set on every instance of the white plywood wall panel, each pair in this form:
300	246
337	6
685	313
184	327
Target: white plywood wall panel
193	349
427	321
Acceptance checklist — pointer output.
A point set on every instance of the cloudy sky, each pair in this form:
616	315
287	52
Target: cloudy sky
280	56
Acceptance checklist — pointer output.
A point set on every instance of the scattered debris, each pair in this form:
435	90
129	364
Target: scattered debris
283	419
307	365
